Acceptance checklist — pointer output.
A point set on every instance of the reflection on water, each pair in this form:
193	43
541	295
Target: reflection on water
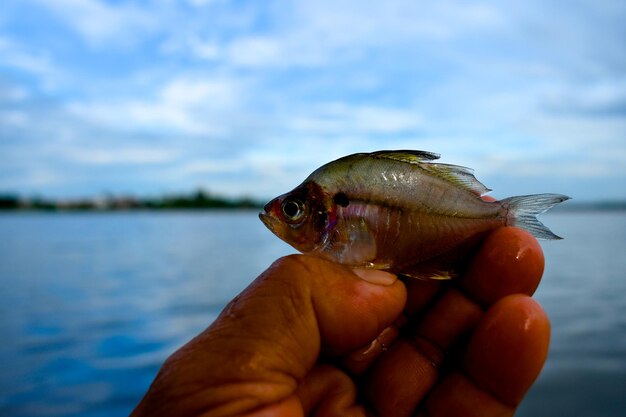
91	304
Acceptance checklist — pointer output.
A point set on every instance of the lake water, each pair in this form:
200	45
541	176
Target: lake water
92	303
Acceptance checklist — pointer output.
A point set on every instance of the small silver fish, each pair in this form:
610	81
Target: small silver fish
397	211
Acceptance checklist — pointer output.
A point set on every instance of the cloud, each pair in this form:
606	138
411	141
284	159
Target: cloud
12	93
202	166
99	22
14	118
602	99
35	178
313	34
372	22
258	51
19	57
201	3
251	97
345	119
120	156
191	44
184	105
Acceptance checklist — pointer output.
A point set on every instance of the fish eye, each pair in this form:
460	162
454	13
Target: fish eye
293	209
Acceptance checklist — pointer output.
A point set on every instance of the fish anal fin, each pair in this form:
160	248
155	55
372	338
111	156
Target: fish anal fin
438	269
442	275
459	176
445	266
427	274
423	275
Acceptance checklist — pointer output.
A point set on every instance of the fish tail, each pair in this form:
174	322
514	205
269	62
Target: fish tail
523	211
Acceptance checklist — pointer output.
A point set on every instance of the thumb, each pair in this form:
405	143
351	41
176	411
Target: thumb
270	336
303	305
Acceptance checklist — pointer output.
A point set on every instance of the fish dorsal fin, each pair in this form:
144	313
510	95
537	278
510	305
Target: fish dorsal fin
458	175
411	157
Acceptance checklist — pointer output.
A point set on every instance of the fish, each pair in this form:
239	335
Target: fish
398	211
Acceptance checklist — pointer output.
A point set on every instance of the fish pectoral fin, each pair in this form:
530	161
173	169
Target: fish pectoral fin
411	157
459	176
352	243
376	265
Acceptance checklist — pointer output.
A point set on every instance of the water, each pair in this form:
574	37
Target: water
584	294
91	304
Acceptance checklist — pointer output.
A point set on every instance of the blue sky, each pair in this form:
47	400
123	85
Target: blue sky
238	97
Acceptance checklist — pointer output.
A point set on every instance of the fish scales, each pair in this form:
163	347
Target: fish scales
397	211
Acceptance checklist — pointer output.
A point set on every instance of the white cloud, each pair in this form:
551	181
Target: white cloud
100	22
183	105
344	119
201	3
186	92
13	93
120	155
258	51
208	50
375	22
17	56
312	34
195	167
203	49
14	118
36	177
600	99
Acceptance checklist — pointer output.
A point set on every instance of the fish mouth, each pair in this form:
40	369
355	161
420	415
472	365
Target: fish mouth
269	221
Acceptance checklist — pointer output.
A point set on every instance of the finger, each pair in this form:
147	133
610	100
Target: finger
510	261
270	336
351	311
420	294
330	393
504	357
290	406
357	362
401	377
508	348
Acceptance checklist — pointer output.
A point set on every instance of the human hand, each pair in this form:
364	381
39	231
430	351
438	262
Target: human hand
310	337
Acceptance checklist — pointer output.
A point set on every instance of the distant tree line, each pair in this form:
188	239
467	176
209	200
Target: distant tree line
199	199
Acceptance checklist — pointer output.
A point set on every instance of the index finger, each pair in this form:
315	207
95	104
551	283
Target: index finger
510	261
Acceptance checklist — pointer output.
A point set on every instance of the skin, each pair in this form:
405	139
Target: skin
311	337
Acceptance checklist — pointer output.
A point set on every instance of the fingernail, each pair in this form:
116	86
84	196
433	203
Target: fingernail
374	276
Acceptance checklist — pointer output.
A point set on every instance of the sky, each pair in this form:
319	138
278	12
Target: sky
248	97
